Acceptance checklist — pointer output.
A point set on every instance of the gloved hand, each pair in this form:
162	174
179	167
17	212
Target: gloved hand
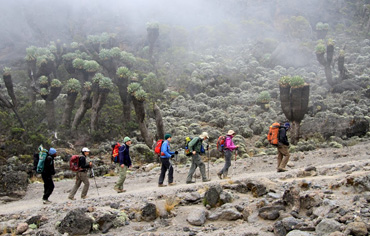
172	156
176	152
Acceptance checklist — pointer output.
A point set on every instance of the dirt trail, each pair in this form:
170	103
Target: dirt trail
145	183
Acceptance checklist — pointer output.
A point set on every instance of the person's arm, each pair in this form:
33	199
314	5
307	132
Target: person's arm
165	150
230	144
126	158
83	163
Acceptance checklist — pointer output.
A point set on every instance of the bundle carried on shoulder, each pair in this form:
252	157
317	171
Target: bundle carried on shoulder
40	159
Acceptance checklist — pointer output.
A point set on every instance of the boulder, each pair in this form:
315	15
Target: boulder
327	226
197	217
76	222
149	212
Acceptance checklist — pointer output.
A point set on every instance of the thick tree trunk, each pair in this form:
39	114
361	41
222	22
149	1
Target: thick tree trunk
9	86
295	132
84	106
140	115
68	108
285	102
159	122
299	102
343	73
95	109
125	98
50	114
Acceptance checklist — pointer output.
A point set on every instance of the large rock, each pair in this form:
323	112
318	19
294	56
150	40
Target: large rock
334	125
327	226
149	212
356	229
197	217
13	182
346	85
212	196
76	222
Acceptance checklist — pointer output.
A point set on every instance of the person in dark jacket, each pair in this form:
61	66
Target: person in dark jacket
81	175
283	148
47	174
166	155
123	164
195	147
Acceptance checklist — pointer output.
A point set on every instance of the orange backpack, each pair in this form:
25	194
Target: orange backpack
273	134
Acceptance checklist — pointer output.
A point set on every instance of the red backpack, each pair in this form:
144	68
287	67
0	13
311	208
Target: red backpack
74	163
273	134
221	143
157	149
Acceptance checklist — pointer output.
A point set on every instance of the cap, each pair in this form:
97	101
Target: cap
85	149
204	135
287	125
126	139
52	151
166	136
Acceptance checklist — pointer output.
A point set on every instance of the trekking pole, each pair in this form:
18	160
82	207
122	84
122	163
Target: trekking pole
236	153
209	156
93	175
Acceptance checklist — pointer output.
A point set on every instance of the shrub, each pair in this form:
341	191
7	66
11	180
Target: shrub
78	63
106	83
322	26
123	72
73	86
91	66
55	83
264	97
320	48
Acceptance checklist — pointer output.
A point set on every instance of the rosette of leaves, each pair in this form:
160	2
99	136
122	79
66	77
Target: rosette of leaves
264	97
296	81
70	56
322	26
88	86
93	39
284	81
74	45
320	47
152	25
55	83
78	63
123	72
104	54
52	47
137	91
44	81
133	87
97	77
140	95
31	53
44	92
105	84
91	66
73	86
115	52
127	58
7	71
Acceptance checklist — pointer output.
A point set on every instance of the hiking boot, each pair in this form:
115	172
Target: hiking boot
190	182
71	198
227	177
162	185
281	170
206	180
84	197
120	190
219	175
171	184
46	202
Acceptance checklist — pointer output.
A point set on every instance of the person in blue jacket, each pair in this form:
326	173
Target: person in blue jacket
166	155
123	164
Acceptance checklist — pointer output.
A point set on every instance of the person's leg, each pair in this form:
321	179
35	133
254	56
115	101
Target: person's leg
192	169
48	186
279	157
285	152
86	182
121	177
202	167
170	172
164	168
228	155
76	186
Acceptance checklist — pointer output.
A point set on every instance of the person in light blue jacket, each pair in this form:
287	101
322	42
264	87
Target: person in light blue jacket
166	155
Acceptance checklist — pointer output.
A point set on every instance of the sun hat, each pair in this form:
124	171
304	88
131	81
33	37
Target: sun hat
204	135
85	149
52	151
230	132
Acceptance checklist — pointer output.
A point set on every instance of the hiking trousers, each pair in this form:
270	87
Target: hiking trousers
48	185
81	177
225	169
166	165
122	176
283	156
196	161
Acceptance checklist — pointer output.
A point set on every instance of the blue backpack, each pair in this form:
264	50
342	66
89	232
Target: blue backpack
43	153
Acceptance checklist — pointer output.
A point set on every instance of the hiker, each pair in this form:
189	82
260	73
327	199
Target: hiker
283	148
47	174
228	149
195	147
81	175
123	164
166	155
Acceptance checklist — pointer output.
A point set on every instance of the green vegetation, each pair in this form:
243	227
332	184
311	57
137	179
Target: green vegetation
73	86
264	97
294	81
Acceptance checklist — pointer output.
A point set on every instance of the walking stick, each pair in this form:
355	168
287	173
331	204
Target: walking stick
209	156
93	175
236	153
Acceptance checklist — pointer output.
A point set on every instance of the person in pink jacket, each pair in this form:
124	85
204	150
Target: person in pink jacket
228	149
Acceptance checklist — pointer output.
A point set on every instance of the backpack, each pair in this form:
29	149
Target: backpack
120	149
74	163
187	151
157	149
43	153
273	134
221	145
115	149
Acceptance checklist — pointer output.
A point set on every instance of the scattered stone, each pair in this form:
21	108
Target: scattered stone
76	222
356	229
327	226
197	217
149	212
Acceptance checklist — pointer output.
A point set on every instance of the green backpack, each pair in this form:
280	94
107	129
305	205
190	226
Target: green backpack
43	153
